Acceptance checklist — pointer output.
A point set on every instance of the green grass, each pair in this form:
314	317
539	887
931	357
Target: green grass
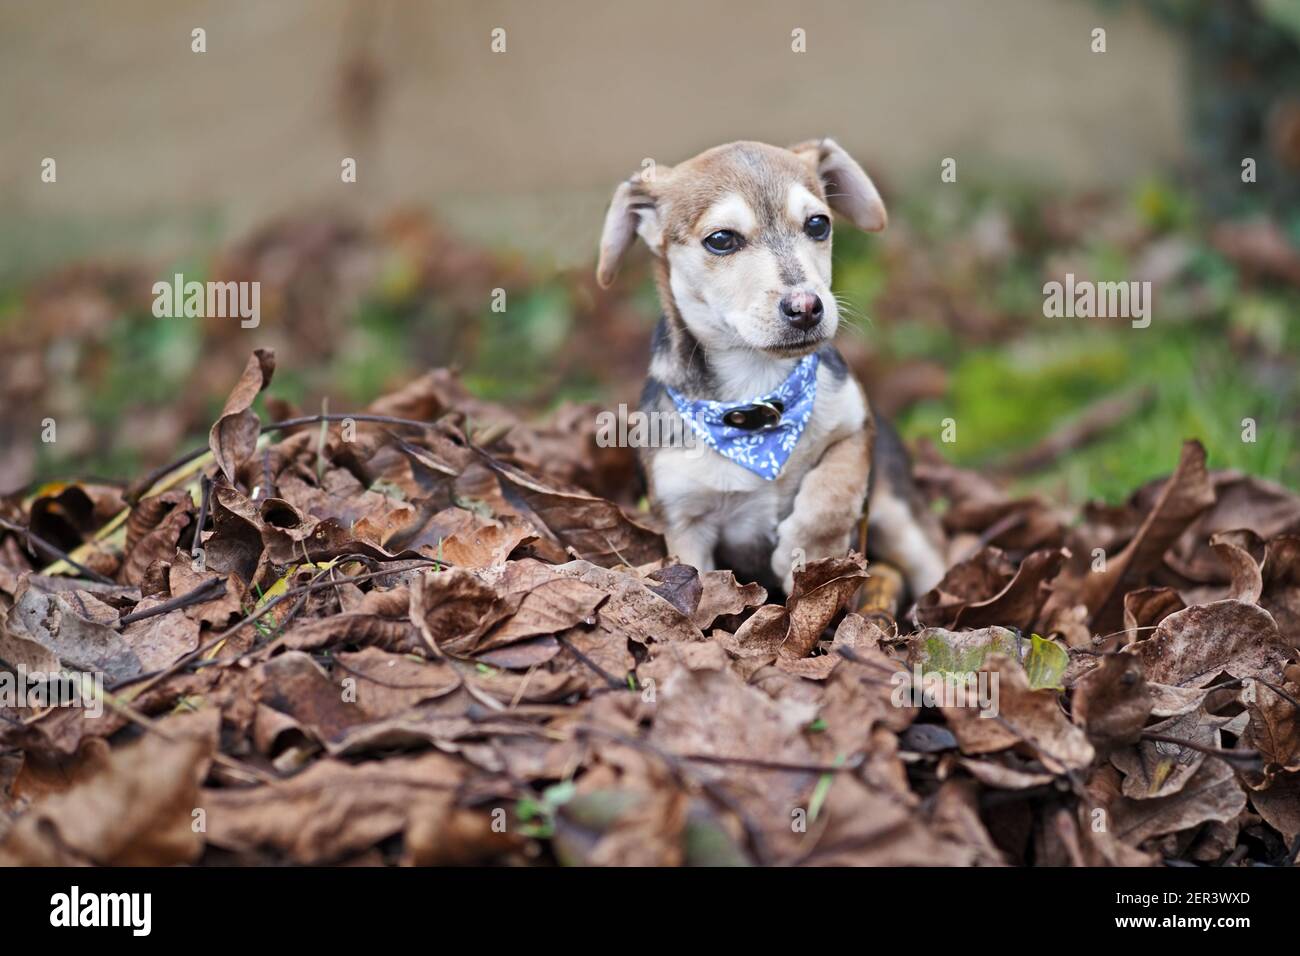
1005	400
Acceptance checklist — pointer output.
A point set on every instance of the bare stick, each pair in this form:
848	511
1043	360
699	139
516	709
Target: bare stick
55	552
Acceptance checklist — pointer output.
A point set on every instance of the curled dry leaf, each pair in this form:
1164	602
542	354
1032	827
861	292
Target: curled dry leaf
137	811
1212	793
333	810
1026	718
160	523
233	437
1112	702
1274	728
1018	604
1190	648
593	528
1161	768
1184	496
821	591
1147	607
45	631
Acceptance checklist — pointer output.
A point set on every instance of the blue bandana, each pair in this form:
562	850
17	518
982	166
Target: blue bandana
760	434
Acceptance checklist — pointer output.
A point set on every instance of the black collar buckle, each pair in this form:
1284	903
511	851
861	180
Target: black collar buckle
753	417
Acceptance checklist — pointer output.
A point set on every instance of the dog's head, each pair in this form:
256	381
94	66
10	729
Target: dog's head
744	231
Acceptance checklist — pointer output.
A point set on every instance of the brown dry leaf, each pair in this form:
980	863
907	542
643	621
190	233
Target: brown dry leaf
955	818
521	654
332	810
44	630
1077	840
1147	607
1281	596
1003	771
1274	728
217	612
1192	647
42	775
236	544
857	700
1019	603
1279	805
1028	718
855	636
679	585
722	596
1159	768
1242	552
380	620
385	684
137	812
1241	502
860	826
1112	702
161	640
455	607
162	523
484	543
296	686
1170	701
633	610
233	437
1213	793
541	602
973	581
711	712
821	591
1185	496
595	529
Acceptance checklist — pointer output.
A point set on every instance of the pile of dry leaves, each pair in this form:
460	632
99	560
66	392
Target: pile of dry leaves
435	633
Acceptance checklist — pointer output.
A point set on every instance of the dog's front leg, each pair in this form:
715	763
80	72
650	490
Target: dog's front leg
692	541
826	507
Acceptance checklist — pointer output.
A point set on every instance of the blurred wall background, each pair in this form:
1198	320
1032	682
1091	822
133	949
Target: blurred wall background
160	149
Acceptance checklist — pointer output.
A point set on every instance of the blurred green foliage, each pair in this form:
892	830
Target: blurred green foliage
1218	350
936	288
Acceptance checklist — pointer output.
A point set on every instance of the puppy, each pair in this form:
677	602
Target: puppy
779	462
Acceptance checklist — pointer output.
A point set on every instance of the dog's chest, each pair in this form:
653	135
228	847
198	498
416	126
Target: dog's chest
744	507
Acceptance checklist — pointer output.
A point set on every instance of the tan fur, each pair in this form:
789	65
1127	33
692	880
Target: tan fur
826	508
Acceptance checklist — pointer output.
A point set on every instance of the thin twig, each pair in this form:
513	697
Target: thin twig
1241	756
230	763
315	585
206	484
56	552
609	678
685	778
139	487
197	595
780	766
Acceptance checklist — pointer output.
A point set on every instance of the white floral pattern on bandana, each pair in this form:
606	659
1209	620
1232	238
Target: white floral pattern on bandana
764	451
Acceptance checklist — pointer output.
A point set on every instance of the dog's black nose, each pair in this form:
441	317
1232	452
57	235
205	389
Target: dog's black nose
803	310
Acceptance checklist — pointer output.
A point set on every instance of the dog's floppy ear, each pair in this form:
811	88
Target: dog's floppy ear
849	190
631	213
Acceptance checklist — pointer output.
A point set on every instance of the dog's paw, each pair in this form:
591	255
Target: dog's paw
786	558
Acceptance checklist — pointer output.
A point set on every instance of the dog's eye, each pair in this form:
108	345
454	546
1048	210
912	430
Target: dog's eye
817	227
722	242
